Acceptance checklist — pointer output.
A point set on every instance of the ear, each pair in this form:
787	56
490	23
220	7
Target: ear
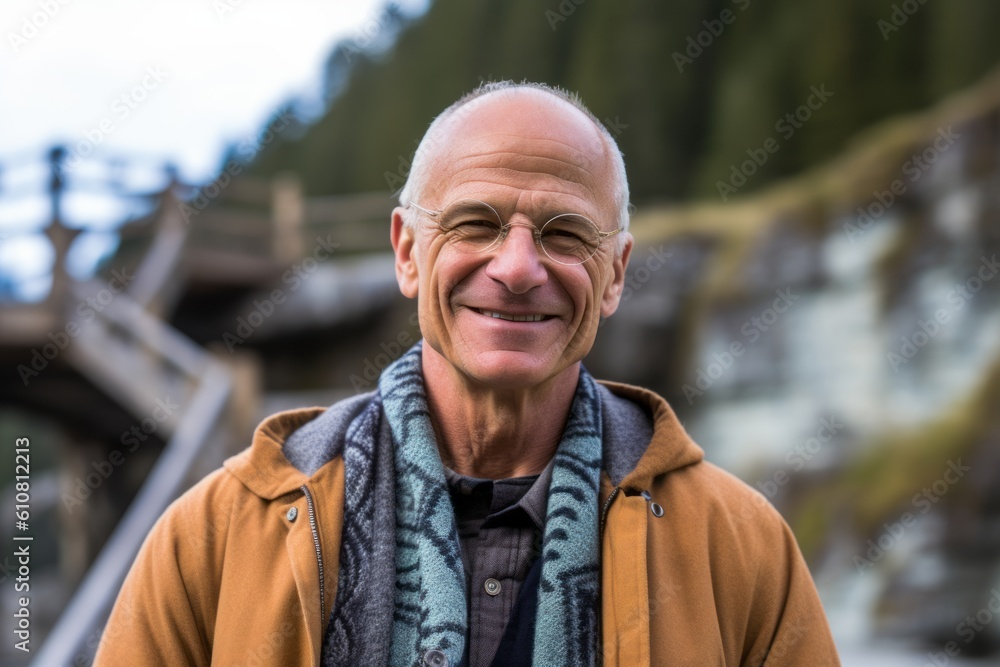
404	246
613	292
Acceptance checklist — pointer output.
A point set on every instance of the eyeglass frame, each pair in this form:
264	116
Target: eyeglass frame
536	231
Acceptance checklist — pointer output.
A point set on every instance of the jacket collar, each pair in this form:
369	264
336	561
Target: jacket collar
263	467
643	439
635	456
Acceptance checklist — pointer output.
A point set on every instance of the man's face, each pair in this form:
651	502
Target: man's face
531	157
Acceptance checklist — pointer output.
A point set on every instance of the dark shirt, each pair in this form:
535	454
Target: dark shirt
500	524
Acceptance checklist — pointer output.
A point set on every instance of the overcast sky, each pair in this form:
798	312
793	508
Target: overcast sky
156	79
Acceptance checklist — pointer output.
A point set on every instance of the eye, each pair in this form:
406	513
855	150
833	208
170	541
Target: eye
568	229
476	223
570	236
473	233
561	233
471	227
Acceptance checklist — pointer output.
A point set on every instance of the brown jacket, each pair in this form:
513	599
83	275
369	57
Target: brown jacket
230	575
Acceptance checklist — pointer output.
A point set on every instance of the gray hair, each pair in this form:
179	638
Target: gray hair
417	177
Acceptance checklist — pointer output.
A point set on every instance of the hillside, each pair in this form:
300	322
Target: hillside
688	87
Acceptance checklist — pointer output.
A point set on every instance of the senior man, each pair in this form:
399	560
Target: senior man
490	503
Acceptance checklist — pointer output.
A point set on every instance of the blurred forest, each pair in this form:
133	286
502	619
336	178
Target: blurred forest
681	124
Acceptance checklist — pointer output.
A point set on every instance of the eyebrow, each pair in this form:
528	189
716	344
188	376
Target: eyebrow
473	206
467	206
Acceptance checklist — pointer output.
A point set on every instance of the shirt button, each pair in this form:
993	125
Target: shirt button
435	658
292	513
492	586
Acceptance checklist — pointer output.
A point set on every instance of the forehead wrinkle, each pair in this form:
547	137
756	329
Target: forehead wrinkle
578	159
523	179
453	135
524	176
574	147
537	185
522	158
580	203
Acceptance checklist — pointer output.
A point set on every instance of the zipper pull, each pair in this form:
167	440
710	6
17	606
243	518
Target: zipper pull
655	508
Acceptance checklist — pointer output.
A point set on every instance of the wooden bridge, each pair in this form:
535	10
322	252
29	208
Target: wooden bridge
99	354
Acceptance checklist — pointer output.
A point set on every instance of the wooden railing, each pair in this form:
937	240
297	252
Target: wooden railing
250	230
144	359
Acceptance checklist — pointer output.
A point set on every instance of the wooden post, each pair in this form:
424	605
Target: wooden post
288	216
60	236
157	279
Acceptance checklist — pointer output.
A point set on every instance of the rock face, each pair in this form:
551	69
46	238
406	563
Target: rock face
835	340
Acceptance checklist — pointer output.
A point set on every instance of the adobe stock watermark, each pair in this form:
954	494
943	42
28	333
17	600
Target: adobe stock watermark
696	44
431	141
103	469
294	277
247	150
662	600
786	126
125	615
800	455
372	368
913	169
121	109
223	8
614	125
635	279
923	500
901	13
32	24
367	33
86	312
752	330
927	329
774	654
967	629
262	654
562	12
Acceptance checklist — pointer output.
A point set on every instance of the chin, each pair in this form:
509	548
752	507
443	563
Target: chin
513	369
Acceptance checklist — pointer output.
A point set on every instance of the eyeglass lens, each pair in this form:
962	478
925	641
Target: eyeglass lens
474	226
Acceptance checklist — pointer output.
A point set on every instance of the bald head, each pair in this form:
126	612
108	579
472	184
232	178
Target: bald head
546	115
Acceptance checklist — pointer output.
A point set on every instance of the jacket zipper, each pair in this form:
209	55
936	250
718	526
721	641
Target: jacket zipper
319	552
604	511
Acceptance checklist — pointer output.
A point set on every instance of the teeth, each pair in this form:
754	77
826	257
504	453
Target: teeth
513	318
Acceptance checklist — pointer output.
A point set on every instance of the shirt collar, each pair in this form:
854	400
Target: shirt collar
534	502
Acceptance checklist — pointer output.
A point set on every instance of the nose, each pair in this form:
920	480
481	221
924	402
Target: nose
517	262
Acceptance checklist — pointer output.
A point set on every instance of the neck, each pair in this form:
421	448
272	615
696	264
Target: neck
493	433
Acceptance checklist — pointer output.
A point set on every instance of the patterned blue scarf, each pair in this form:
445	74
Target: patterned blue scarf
429	601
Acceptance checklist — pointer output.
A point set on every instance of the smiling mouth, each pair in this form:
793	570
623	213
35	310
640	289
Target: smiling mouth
512	318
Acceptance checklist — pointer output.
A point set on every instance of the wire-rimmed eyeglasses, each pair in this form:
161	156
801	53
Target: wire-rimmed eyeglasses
472	226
